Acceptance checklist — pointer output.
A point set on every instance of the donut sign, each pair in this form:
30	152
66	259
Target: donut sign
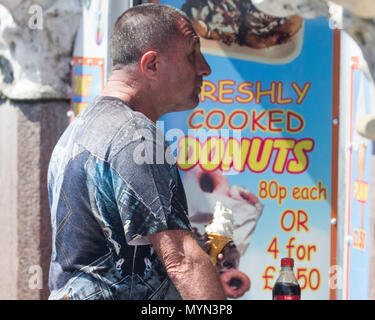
264	142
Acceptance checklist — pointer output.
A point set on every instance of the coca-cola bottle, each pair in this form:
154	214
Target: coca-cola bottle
286	286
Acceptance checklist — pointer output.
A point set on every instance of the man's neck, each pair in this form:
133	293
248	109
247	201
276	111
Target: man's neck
126	87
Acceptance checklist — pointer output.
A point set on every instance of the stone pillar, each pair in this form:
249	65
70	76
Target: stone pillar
36	45
28	134
8	202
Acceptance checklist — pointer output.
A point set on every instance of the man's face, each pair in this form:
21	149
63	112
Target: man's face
185	68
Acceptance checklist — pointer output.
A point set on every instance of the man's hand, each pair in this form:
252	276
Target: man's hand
235	282
207	247
187	265
228	258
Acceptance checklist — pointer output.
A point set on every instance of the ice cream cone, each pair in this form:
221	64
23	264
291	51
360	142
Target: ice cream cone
218	242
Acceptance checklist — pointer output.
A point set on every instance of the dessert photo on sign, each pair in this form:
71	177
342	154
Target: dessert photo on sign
237	29
227	215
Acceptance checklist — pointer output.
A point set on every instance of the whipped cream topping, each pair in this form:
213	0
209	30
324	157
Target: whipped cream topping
222	222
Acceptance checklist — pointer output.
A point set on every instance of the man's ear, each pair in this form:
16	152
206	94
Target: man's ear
150	64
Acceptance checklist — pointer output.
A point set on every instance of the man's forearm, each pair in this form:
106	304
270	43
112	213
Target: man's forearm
188	266
196	278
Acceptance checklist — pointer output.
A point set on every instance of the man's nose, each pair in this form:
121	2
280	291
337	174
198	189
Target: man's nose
203	68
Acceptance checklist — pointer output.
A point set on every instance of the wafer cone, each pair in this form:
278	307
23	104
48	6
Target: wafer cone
218	242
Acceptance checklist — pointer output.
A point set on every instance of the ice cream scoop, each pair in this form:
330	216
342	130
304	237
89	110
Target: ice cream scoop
222	223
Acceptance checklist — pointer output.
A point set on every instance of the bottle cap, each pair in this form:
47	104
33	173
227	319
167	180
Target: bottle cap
287	262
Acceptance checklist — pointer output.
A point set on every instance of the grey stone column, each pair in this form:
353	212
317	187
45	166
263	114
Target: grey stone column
36	45
28	134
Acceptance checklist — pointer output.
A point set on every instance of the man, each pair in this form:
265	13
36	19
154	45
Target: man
119	214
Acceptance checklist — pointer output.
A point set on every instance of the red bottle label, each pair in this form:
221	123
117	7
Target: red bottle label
285	297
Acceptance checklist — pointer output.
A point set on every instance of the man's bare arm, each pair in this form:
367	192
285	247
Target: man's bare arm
187	265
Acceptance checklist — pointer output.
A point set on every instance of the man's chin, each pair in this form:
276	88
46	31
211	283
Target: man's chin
193	103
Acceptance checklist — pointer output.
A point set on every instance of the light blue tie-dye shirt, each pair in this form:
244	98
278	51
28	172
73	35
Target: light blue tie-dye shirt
109	188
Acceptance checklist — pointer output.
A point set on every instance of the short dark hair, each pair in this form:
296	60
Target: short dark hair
141	28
